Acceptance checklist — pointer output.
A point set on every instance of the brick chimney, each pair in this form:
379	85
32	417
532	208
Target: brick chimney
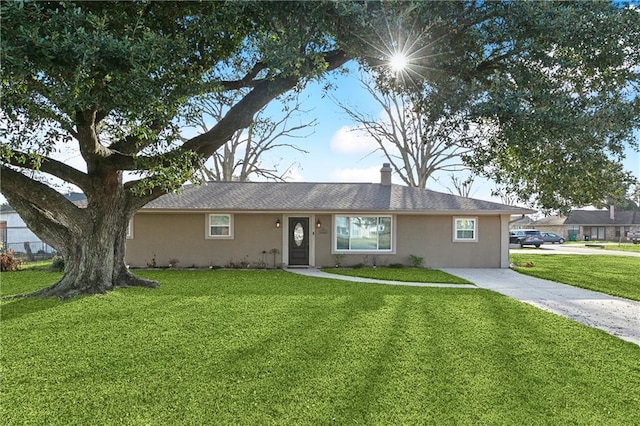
385	174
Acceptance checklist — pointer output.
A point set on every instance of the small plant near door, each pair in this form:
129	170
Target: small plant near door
274	251
416	261
338	259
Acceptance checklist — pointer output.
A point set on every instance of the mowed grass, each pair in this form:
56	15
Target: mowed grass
259	348
419	275
614	275
634	248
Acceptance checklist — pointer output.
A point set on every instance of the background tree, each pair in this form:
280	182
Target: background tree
558	82
461	186
418	141
243	156
635	194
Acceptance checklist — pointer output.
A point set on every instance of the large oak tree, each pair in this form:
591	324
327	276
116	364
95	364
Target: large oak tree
115	81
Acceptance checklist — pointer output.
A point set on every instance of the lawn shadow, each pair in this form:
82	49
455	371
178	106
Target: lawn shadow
26	306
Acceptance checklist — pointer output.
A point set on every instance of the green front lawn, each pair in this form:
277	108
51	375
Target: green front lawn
249	347
635	248
614	275
417	275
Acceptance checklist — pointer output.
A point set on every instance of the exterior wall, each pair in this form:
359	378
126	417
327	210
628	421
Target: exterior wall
181	236
430	237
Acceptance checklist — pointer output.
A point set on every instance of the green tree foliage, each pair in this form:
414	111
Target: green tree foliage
558	80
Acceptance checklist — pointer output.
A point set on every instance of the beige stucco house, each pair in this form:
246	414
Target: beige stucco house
319	224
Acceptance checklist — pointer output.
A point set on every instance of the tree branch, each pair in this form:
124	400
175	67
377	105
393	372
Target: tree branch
50	204
48	165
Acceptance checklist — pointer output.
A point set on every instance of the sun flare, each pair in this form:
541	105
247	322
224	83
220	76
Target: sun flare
398	62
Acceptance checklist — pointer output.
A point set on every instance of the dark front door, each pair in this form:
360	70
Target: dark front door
298	241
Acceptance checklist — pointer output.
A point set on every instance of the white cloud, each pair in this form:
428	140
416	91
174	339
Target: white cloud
349	140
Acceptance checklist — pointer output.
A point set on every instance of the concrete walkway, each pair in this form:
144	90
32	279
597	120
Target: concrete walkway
614	315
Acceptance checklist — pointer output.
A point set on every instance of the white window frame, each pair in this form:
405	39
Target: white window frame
130	229
208	227
392	234
455	229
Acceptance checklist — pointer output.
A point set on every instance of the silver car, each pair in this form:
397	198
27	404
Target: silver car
550	237
527	237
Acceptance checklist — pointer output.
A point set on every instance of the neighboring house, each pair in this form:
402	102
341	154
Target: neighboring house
598	225
15	234
319	224
591	225
520	222
553	224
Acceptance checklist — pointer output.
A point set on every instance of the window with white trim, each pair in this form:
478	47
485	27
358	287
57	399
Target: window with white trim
220	226
363	233
465	229
130	229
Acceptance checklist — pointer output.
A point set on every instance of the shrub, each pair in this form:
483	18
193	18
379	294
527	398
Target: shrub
9	262
396	265
153	263
416	261
358	266
57	264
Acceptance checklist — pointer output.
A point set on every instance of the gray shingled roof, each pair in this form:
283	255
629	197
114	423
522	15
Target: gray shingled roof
550	221
330	197
601	217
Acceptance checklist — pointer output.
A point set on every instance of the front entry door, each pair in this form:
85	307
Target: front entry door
298	241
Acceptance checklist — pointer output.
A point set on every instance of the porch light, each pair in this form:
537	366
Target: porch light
278	223
318	224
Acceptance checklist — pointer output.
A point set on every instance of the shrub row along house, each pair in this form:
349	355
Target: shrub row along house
318	224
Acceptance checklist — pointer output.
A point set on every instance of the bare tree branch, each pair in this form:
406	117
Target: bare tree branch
416	144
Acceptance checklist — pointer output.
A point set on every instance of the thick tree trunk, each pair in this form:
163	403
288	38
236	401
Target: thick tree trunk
94	256
94	264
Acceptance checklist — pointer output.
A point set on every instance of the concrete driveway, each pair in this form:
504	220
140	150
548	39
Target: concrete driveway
617	316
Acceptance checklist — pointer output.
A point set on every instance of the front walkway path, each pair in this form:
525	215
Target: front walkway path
617	316
614	315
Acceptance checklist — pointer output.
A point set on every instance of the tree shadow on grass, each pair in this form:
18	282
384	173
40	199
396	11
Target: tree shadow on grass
17	308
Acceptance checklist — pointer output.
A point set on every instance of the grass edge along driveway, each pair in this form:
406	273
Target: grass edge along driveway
419	275
613	275
240	347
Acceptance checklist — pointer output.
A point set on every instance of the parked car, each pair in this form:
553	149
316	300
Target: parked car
526	237
550	237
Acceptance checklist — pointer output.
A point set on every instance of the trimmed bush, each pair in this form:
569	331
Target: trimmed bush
57	264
